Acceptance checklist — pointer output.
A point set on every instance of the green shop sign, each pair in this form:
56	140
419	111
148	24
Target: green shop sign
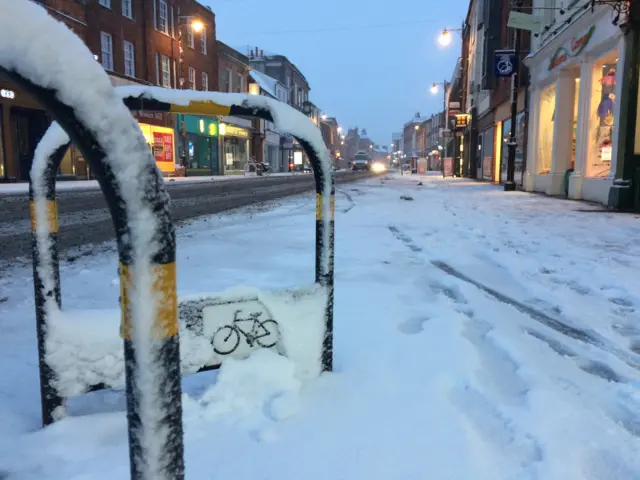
198	125
575	48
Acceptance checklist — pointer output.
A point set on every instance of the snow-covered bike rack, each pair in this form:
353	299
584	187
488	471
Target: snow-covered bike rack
82	351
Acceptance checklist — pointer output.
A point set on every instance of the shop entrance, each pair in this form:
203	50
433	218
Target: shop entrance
29	125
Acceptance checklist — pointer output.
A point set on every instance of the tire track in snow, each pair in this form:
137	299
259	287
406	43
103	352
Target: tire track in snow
584	336
498	376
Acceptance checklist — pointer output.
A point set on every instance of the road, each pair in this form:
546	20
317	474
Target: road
84	218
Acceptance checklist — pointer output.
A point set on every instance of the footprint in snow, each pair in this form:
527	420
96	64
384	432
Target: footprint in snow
493	427
413	325
452	292
623	302
498	370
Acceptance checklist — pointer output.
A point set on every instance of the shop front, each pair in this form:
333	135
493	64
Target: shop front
157	130
574	113
489	147
22	125
235	147
198	145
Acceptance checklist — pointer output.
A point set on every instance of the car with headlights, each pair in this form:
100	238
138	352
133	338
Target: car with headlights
378	167
361	161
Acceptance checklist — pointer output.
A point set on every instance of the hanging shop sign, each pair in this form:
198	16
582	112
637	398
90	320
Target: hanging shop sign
575	48
454	109
504	63
462	120
232	131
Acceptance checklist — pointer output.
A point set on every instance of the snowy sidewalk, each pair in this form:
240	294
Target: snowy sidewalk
435	377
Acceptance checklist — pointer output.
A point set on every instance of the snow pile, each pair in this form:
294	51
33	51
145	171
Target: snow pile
264	380
85	349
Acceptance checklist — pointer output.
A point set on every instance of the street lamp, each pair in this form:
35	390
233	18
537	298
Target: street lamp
339	129
434	90
445	38
194	24
324	116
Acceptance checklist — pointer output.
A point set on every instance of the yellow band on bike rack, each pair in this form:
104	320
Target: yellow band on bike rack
164	288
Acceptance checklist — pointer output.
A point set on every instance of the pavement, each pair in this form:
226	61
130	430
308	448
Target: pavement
84	218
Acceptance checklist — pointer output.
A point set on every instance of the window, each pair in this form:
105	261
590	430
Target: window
205	81
105	3
225	82
127	8
129	59
163	24
239	86
191	38
106	44
166	71
203	41
192	78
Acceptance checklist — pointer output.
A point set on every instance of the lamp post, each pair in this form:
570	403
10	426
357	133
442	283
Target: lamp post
196	25
510	184
434	90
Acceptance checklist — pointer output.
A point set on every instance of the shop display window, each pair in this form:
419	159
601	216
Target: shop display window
487	153
601	119
236	153
545	135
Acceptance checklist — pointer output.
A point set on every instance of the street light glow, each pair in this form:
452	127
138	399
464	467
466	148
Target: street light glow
434	88
339	129
197	26
324	116
417	127
445	38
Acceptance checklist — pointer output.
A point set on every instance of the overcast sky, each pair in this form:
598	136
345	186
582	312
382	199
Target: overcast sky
367	75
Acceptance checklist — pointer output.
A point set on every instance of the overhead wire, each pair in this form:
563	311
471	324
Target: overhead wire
346	28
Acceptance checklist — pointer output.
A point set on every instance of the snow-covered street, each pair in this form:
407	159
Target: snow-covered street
478	335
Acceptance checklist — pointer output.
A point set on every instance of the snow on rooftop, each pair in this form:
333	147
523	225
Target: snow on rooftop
266	82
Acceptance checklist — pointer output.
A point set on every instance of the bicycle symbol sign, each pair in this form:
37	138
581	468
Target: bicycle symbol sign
504	65
263	333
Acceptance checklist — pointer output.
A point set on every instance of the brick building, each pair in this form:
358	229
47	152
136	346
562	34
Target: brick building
242	139
22	121
137	42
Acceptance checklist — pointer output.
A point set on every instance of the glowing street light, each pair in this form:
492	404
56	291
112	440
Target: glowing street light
197	26
417	127
434	88
339	129
445	38
324	116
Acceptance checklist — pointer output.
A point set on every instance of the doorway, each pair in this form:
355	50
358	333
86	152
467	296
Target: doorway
29	126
